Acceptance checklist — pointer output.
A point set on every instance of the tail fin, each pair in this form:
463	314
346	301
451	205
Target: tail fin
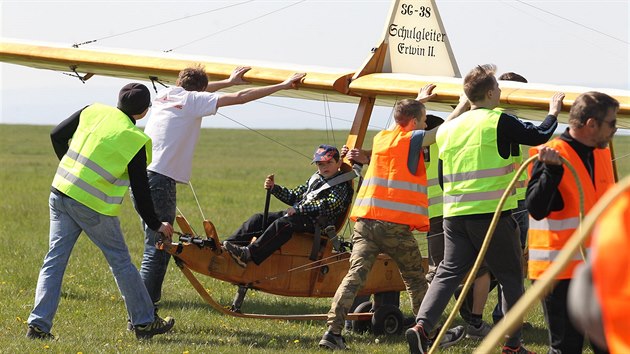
414	42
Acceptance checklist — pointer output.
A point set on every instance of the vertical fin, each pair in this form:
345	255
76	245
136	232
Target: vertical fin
415	42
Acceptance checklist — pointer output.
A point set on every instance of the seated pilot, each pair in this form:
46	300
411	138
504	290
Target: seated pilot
327	194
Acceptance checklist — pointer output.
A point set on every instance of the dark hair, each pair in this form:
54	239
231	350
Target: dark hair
510	76
591	104
406	110
193	78
479	81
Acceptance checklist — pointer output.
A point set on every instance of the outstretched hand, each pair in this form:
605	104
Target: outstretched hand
293	81
426	93
555	104
236	78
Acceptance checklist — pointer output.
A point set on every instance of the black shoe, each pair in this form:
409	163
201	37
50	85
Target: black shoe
129	325
332	341
158	326
417	339
238	253
34	332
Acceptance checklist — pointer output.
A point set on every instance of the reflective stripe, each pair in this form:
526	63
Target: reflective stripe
96	168
87	188
553	224
387	204
551	255
436	200
467	176
407	186
473	197
433	182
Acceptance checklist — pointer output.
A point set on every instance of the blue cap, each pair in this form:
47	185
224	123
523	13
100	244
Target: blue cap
326	153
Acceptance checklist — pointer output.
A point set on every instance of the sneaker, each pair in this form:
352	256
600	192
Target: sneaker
417	339
158	326
155	316
473	332
452	336
34	332
238	253
519	350
333	341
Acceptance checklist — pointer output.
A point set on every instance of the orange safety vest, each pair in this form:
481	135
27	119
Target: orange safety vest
611	272
390	192
548	236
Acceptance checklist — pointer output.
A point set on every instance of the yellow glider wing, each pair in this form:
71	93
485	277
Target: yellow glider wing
529	101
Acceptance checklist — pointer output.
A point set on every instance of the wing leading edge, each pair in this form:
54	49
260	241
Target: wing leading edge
528	101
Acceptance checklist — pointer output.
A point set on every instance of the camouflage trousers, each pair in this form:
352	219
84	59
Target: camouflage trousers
370	238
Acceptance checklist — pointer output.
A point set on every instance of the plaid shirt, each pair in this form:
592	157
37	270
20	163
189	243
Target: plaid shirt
332	202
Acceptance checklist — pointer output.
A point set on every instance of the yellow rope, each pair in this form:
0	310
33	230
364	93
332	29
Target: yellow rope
513	318
486	243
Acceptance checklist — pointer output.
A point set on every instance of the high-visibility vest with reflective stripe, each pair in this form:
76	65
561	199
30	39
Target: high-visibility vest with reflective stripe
548	235
611	272
390	192
94	170
434	190
475	175
521	184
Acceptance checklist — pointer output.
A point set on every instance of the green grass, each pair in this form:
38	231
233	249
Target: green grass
229	169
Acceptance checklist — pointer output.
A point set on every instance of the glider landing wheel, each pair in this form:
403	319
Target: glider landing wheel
387	320
362	326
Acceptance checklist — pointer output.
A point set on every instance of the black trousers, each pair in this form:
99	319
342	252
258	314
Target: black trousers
563	336
278	232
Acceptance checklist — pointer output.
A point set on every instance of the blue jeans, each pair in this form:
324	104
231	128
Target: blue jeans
67	219
155	261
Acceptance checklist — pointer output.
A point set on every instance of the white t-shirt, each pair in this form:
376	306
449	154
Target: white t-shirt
173	127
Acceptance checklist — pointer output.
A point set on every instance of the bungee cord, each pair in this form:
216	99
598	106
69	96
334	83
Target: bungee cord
486	243
547	280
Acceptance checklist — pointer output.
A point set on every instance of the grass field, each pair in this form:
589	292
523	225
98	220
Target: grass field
229	169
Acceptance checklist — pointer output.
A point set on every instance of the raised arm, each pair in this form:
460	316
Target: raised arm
235	79
462	106
255	93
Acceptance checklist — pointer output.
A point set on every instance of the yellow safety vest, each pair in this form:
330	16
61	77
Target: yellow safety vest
94	170
521	184
475	175
434	190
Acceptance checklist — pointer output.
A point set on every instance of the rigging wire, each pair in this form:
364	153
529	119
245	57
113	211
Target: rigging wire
574	22
570	33
232	27
313	113
182	214
328	118
76	45
196	200
263	135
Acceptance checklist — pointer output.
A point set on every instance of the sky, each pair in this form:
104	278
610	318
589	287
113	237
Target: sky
582	43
